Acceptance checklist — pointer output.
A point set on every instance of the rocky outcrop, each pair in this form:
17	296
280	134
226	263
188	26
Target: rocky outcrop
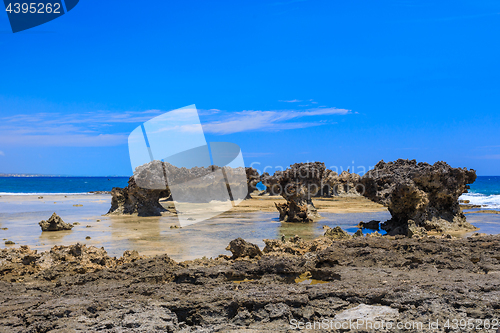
60	260
81	289
133	200
55	223
253	178
185	185
419	195
298	185
345	184
241	249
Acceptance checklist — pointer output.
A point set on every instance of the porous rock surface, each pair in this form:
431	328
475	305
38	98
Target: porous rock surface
241	249
253	178
419	194
54	223
192	185
298	185
133	200
420	280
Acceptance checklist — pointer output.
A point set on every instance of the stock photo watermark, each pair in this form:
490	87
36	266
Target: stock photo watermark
363	324
27	15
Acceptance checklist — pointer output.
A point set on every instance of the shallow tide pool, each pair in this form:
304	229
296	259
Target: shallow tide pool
154	235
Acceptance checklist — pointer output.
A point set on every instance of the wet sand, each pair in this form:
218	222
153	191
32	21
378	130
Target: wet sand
254	220
327	205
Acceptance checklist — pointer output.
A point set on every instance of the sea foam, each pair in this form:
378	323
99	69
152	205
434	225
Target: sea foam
489	201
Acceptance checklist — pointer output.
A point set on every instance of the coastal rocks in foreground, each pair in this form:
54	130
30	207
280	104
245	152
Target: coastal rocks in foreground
419	195
390	279
298	184
55	223
17	264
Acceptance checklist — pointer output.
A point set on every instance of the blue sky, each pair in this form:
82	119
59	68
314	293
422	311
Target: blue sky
344	82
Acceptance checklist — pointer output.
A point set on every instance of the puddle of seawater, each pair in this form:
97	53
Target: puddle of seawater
306	278
153	235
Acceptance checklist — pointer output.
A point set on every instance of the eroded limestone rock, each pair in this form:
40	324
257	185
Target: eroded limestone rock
55	223
420	192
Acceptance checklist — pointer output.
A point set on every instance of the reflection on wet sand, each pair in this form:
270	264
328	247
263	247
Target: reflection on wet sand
154	235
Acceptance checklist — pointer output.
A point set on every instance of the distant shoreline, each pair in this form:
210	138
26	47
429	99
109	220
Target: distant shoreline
13	175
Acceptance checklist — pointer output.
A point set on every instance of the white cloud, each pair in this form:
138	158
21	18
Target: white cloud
65	140
268	120
2	153
490	157
291	101
95	129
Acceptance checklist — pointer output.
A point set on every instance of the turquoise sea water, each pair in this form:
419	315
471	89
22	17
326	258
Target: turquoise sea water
485	192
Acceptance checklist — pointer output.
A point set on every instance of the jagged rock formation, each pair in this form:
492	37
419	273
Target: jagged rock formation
421	195
78	288
345	184
137	200
55	223
193	185
253	178
298	184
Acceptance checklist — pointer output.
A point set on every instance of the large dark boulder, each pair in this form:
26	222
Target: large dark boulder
419	194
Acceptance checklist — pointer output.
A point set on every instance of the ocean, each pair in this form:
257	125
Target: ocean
485	191
58	185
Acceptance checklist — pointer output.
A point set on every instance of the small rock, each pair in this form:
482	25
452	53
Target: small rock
5	228
369	225
40	197
358	233
241	248
98	220
76	223
78	205
55	223
413	230
337	233
89	226
88	237
9	242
